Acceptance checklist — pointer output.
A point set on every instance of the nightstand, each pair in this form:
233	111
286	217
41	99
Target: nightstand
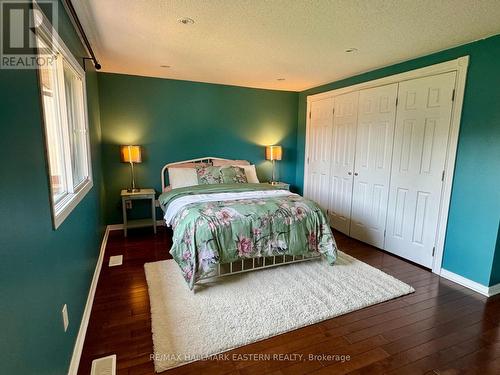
131	196
281	185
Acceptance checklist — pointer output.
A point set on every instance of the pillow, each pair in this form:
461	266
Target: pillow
208	175
225	163
182	177
250	173
233	175
189	165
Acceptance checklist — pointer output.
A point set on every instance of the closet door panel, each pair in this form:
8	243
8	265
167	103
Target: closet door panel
320	138
420	146
372	166
342	157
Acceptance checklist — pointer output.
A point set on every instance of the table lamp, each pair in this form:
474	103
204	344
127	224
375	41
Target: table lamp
273	153
131	154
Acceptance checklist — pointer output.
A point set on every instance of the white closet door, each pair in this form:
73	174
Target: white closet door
319	145
372	166
420	145
342	156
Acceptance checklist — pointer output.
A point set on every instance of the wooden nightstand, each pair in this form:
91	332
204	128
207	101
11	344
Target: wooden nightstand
281	185
131	196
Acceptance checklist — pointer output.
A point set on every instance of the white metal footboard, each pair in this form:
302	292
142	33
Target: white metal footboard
252	264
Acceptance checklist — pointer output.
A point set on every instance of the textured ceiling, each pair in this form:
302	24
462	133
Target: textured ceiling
253	43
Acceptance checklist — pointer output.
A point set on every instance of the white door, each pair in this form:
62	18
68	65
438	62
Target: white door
372	165
420	145
318	151
342	156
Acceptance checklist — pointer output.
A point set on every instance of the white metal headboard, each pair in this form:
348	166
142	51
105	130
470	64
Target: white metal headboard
207	160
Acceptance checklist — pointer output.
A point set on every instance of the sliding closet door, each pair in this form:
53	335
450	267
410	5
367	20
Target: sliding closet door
420	145
372	166
319	145
342	156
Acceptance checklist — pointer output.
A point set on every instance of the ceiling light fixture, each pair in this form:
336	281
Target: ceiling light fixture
165	66
186	21
280	79
351	50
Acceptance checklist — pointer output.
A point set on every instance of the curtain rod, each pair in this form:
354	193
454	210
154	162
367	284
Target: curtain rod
76	22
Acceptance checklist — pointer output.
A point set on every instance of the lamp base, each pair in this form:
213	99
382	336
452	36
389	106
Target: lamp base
133	190
274	182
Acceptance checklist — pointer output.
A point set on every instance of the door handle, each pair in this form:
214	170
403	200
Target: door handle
355	173
349	173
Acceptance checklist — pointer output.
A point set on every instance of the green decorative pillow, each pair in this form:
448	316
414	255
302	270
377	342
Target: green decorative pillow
208	175
233	175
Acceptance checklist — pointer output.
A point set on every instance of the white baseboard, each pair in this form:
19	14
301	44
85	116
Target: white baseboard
82	331
115	227
493	290
80	338
480	288
159	223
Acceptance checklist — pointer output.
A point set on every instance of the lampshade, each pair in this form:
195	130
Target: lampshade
130	154
273	152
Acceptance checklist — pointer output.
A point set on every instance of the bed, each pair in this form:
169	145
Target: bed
222	226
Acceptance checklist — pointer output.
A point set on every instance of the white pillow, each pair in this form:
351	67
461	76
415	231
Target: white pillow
224	163
250	173
182	177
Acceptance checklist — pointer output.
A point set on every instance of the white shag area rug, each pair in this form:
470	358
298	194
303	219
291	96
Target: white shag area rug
240	309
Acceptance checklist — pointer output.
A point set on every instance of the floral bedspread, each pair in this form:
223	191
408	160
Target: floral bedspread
209	233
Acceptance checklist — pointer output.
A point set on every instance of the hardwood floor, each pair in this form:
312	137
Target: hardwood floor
442	328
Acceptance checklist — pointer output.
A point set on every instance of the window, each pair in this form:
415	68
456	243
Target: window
62	90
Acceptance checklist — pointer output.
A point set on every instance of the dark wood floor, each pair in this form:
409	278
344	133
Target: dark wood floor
442	328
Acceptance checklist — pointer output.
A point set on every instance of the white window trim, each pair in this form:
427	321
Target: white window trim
62	209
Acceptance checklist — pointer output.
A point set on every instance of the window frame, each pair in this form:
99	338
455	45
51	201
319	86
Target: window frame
63	207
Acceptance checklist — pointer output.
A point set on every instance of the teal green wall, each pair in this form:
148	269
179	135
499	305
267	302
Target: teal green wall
178	120
41	269
475	205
